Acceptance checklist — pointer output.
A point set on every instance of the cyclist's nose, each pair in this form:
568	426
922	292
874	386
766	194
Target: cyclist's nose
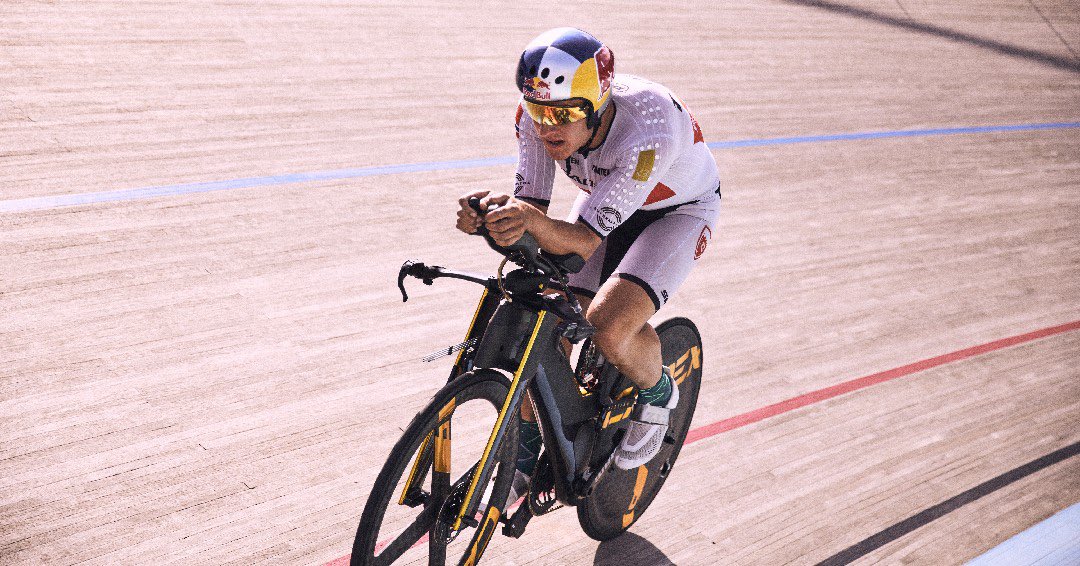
548	132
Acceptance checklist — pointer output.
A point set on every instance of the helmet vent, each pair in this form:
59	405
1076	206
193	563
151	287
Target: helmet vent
544	74
532	70
559	79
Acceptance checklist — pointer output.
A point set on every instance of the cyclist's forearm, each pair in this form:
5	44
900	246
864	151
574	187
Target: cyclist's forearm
559	237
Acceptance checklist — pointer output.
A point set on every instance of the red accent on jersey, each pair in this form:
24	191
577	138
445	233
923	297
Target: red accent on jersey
702	242
605	68
659	193
697	130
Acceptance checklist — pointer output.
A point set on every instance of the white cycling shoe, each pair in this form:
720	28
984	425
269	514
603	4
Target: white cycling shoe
645	437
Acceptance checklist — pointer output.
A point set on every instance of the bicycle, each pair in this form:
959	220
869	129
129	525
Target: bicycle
462	453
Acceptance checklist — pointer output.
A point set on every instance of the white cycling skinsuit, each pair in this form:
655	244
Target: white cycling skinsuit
651	190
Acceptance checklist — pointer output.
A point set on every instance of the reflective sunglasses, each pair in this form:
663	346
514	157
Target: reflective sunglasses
555	115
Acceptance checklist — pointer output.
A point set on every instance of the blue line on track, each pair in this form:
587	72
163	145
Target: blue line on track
894	134
57	201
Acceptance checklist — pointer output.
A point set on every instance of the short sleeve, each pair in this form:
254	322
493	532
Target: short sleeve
536	169
624	191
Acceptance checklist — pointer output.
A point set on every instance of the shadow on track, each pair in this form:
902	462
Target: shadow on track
629	549
1004	48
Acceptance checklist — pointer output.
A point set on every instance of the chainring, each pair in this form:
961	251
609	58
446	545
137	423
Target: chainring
450	507
542	488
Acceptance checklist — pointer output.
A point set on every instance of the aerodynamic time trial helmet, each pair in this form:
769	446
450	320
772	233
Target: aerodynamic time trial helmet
565	75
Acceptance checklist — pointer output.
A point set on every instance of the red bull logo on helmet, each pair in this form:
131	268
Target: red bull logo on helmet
537	89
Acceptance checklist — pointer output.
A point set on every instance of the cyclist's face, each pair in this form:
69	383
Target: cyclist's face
562	140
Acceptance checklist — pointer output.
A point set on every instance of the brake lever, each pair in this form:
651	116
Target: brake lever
405	267
415	269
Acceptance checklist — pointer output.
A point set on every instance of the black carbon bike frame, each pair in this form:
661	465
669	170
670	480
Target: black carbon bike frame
517	329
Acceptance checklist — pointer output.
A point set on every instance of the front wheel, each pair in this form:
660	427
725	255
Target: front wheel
409	515
620	497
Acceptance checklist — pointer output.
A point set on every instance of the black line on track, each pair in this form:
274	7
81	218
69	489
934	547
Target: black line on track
954	35
1053	29
874	542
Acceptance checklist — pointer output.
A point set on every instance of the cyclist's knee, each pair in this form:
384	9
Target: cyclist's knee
612	339
616	322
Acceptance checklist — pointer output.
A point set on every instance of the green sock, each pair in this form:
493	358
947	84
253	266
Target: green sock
658	394
529	447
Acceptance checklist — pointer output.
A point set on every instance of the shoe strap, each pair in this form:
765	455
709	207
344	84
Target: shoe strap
651	414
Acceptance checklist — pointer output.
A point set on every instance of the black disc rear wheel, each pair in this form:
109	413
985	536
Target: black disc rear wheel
409	516
621	496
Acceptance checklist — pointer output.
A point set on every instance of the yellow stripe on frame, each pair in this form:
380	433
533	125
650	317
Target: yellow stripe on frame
499	421
471	325
442	438
610	419
415	469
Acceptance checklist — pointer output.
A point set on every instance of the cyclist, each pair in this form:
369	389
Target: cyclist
649	198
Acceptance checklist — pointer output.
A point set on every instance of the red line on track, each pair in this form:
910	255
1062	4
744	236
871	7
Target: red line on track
775	409
739	421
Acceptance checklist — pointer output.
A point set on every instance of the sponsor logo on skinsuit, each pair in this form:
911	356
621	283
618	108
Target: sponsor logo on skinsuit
519	183
601	172
702	242
608	218
582	182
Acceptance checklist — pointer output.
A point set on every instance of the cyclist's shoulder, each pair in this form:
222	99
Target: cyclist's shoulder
631	91
647	113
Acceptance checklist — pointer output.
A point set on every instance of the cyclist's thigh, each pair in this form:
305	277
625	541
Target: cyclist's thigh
663	255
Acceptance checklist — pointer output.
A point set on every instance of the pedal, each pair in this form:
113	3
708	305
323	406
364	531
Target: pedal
515	527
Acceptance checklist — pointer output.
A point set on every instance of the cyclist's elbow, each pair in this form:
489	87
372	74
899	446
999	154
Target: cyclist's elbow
586	241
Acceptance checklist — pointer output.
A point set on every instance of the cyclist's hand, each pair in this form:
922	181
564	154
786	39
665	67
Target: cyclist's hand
467	218
507	223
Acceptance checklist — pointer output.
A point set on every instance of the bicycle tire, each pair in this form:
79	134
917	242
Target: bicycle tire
617	501
373	548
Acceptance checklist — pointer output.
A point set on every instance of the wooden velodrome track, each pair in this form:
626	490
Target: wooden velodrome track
216	377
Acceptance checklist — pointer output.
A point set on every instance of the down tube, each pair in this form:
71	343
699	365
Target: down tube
513	401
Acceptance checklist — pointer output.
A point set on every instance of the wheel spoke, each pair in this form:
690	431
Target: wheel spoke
427	474
436	549
410	536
